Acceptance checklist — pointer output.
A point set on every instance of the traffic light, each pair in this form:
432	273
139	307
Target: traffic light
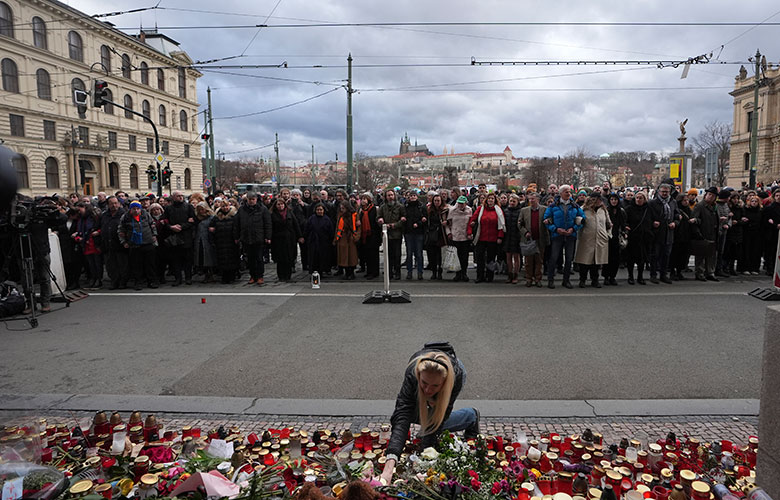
152	173
166	175
99	92
205	137
80	97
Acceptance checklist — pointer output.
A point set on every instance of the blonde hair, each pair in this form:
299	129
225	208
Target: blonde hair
439	363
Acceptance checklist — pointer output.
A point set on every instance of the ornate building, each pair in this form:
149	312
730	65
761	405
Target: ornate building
768	155
407	147
48	50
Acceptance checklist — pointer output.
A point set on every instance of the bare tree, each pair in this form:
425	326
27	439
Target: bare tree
373	173
450	179
715	135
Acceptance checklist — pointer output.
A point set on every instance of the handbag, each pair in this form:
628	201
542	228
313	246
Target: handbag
451	261
529	247
173	240
622	240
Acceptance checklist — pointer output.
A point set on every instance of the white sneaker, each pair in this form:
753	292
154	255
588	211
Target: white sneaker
746	273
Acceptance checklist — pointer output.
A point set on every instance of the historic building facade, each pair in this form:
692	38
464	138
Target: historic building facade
768	155
48	50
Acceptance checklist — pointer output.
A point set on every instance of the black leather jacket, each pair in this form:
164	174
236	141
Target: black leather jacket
406	411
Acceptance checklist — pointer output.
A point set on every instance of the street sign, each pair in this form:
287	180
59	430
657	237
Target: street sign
159	158
206	183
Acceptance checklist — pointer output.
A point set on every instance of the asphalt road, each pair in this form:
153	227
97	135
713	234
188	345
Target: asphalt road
687	340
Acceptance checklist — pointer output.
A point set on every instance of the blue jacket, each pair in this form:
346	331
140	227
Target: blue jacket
554	218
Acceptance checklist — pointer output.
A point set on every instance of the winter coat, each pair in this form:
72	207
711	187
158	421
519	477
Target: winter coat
373	240
67	243
318	234
525	221
640	232
617	216
662	232
88	224
723	209
392	213
682	233
558	219
735	232
145	226
406	411
436	236
458	223
752	228
205	254
512	234
285	233
109	225
181	213
488	227
593	240
252	224
769	229
706	225
415	212
344	240
299	210
227	252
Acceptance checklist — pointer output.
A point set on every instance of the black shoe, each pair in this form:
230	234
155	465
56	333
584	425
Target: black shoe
567	284
582	284
654	280
479	280
420	276
630	280
113	287
472	431
595	284
613	282
550	284
464	278
409	275
699	277
153	285
680	277
188	282
641	281
710	277
665	279
138	287
721	274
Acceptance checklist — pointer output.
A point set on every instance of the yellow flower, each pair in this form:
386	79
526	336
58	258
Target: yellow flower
442	477
431	472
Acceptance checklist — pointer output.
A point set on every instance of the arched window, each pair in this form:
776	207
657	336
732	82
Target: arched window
128	104
183	120
44	84
10	76
144	73
76	84
105	57
52	173
146	109
113	174
6	20
22	177
75	46
162	118
182	83
187	179
108	107
39	33
133	176
160	79
126	66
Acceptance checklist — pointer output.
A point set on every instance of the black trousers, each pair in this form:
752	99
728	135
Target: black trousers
611	268
181	260
117	266
463	248
142	264
394	251
434	257
369	257
254	257
484	253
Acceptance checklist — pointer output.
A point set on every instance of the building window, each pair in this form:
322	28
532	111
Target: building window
129	105
131	145
84	135
44	84
6	20
149	145
10	76
160	79
105	57
76	84
39	33
17	125
107	106
52	173
133	176
144	73
162	117
165	147
49	130
182	83
746	159
112	141
186	150
22	178
113	175
146	109
750	121
126	66
183	120
187	179
75	46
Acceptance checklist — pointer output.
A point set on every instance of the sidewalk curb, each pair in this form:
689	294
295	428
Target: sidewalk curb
380	408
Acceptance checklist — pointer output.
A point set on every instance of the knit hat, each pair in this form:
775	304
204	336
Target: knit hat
593	194
462	199
712	189
135	204
582	191
724	194
693	191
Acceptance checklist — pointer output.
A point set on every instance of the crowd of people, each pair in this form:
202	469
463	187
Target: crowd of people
145	241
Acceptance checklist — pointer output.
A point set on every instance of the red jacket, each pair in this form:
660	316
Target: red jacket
488	225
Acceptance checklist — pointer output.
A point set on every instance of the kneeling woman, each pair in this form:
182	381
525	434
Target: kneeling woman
432	382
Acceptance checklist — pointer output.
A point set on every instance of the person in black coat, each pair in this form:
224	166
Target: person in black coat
221	233
639	224
753	247
299	210
253	229
180	217
72	259
770	225
414	234
285	236
370	236
436	236
734	236
512	238
114	253
432	382
665	216
681	249
617	216
318	236
706	222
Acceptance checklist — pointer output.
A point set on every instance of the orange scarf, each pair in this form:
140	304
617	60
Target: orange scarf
365	224
341	225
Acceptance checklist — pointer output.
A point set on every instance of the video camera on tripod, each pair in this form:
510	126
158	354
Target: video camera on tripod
25	211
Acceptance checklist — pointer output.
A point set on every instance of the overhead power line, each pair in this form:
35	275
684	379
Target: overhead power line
277	108
250	150
598	89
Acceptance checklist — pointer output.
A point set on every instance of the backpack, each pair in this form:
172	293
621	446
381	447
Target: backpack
11	301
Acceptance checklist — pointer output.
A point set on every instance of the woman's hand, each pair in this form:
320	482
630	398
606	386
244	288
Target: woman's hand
387	472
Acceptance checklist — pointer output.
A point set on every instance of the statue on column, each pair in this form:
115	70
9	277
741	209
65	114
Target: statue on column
682	127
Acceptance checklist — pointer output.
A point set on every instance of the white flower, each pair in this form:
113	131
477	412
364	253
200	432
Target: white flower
429	454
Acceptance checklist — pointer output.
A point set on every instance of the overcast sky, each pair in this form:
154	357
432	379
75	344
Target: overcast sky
536	111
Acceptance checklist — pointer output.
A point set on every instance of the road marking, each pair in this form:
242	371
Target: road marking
416	295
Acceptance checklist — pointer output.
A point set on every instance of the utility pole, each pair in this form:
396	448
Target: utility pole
313	179
349	124
276	149
754	123
212	164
